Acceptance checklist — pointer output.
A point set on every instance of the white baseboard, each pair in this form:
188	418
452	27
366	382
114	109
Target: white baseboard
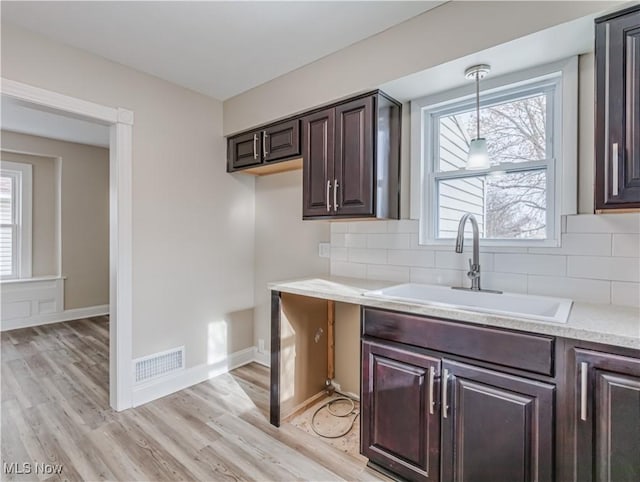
161	387
48	318
263	358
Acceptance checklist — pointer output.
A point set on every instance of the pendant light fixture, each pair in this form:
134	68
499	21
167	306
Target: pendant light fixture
478	157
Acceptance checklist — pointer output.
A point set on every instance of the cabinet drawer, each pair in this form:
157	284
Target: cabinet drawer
524	351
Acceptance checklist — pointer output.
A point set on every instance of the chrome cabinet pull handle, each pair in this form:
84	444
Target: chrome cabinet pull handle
445	406
584	373
265	152
614	168
431	377
255	146
328	194
335	194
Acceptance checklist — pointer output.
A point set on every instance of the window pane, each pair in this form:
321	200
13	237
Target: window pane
6	199
457	197
6	250
516	131
506	205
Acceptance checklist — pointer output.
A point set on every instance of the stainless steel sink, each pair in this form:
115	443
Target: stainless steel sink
544	308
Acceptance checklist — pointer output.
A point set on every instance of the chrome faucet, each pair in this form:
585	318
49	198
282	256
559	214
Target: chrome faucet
474	266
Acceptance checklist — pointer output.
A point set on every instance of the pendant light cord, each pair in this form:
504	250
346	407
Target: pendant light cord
477	105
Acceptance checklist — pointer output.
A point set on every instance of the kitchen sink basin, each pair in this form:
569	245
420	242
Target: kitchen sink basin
542	308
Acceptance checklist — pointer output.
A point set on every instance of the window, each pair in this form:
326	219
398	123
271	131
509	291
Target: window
15	219
519	198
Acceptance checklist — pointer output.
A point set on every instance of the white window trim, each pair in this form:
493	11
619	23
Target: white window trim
23	174
562	201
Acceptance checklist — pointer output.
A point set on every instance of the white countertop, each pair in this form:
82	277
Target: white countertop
608	324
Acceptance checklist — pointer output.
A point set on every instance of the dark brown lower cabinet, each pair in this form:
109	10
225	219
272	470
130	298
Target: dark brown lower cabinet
481	425
607	417
400	423
495	426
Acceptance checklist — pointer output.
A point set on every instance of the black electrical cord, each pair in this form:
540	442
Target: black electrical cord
352	411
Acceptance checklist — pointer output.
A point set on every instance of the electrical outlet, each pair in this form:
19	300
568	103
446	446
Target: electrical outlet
261	345
324	250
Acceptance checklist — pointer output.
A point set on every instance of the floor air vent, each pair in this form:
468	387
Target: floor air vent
159	364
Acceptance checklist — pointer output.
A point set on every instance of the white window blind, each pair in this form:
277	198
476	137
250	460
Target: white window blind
15	220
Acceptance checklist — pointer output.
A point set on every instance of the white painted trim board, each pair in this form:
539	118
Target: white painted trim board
48	318
179	380
120	223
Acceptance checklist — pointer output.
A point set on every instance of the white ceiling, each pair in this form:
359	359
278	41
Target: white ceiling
217	48
19	117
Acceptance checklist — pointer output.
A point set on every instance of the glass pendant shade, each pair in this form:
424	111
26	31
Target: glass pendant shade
478	157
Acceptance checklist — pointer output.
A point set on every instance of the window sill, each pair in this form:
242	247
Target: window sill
31	280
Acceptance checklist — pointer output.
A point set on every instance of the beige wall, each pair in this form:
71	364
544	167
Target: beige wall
84	193
45	176
193	225
286	247
448	32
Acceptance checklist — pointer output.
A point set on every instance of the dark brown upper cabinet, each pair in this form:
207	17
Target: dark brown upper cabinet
617	123
606	413
351	159
254	151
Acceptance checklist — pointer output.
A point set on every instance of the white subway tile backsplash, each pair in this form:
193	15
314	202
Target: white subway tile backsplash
453	260
390	241
388	273
598	261
510	282
411	257
350	270
403	226
604	267
415	244
593	291
337	240
580	244
449	277
626	245
374	256
339	227
628	223
352	240
627	294
368	227
338	254
530	264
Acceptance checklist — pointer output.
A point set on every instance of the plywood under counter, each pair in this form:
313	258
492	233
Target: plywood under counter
304	359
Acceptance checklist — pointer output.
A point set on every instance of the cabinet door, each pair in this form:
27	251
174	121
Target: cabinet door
244	150
317	168
281	141
354	158
618	111
495	426
400	422
607	411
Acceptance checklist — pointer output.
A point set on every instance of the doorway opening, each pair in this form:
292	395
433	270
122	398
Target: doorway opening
119	123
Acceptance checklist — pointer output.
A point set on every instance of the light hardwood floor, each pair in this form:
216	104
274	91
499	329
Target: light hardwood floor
55	410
